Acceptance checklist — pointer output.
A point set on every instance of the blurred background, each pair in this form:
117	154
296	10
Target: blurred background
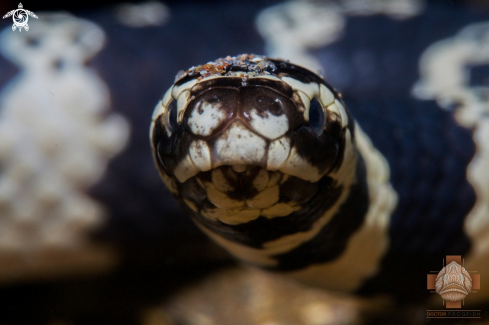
88	232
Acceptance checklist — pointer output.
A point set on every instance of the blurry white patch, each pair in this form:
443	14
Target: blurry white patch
185	169
367	246
445	76
205	118
151	13
270	126
278	152
58	136
310	89
201	155
238	146
294	28
399	9
445	73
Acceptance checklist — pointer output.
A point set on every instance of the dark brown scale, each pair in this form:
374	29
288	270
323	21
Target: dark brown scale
206	85
192	191
286	69
278	86
266	100
172	150
297	100
229	99
297	190
307	144
238	101
242	183
341	152
333	124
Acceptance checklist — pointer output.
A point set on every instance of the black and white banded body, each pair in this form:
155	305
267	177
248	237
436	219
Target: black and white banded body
268	161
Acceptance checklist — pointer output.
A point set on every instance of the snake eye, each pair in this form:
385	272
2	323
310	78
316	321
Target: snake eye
316	116
172	116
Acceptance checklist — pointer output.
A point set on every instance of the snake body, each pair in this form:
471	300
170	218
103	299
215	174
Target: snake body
267	160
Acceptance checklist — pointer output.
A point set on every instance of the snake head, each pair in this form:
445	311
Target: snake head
247	137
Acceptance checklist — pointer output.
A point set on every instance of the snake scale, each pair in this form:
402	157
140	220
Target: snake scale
269	162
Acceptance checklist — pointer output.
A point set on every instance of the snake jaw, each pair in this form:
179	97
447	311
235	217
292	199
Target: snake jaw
235	197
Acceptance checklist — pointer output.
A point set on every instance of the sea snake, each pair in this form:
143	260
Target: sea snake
268	161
